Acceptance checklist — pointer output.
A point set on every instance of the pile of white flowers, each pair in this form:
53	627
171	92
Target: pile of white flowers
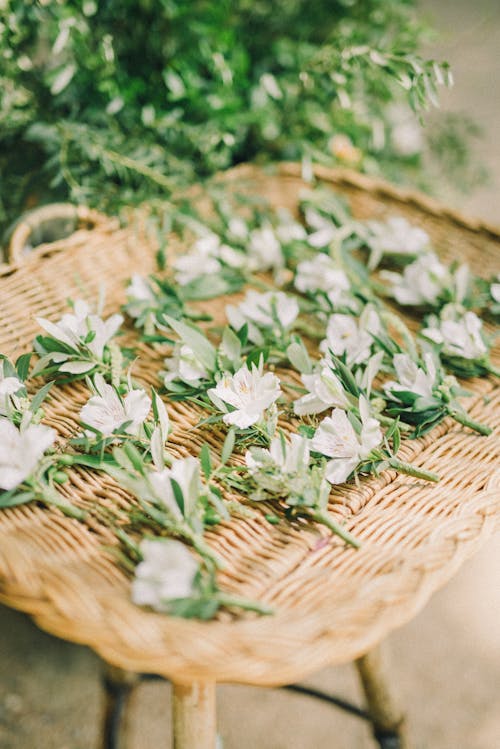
359	386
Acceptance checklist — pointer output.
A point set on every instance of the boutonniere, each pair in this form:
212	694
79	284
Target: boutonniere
395	240
423	395
457	337
79	344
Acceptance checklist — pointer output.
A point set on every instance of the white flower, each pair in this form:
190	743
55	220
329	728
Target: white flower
186	473
8	386
458	337
345	335
74	328
20	451
271	310
321	274
289	230
495	290
249	392
201	260
264	250
337	439
280	469
237	228
184	366
422	282
396	236
325	391
411	377
167	572
139	294
325	230
107	411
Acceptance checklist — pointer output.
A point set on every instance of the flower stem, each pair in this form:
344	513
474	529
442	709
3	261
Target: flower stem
243	603
410	470
203	549
323	517
464	419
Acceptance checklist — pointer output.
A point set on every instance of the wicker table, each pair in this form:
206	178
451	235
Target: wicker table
333	604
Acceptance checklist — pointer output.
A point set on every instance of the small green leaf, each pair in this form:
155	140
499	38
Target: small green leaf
299	358
206	461
40	397
179	496
23	366
197	342
228	446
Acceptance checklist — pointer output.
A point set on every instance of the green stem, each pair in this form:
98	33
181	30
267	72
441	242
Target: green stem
202	548
410	470
243	603
51	497
464	419
323	517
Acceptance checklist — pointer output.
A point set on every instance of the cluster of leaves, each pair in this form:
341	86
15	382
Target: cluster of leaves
112	103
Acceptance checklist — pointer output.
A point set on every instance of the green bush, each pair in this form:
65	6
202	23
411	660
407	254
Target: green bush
114	101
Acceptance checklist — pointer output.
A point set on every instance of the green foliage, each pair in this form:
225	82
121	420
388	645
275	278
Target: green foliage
114	102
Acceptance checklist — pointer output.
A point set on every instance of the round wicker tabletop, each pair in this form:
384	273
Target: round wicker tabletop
332	603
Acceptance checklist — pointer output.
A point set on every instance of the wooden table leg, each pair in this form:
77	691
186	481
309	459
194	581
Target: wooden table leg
388	720
194	715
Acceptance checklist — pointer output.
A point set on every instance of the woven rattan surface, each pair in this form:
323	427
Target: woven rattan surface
331	602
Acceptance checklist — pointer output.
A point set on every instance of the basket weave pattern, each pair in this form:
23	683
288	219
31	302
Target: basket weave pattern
332	603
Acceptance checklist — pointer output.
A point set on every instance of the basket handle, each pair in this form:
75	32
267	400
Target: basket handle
47	226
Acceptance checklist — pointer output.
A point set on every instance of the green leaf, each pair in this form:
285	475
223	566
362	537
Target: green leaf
228	446
197	342
178	495
299	358
230	347
40	396
23	366
14	497
206	461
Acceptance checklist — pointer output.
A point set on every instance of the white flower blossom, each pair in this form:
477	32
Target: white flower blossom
184	366
325	391
271	310
249	391
337	439
458	337
73	329
280	469
167	572
107	411
411	377
495	290
396	236
9	386
21	451
346	335
289	230
324	232
424	281
237	228
264	250
139	294
186	473
322	274
201	260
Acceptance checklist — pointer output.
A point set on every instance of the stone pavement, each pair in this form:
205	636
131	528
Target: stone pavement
444	665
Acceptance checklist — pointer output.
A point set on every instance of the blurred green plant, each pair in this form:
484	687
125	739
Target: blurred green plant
112	102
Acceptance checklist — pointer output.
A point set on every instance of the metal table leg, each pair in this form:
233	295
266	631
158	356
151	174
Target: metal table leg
388	721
